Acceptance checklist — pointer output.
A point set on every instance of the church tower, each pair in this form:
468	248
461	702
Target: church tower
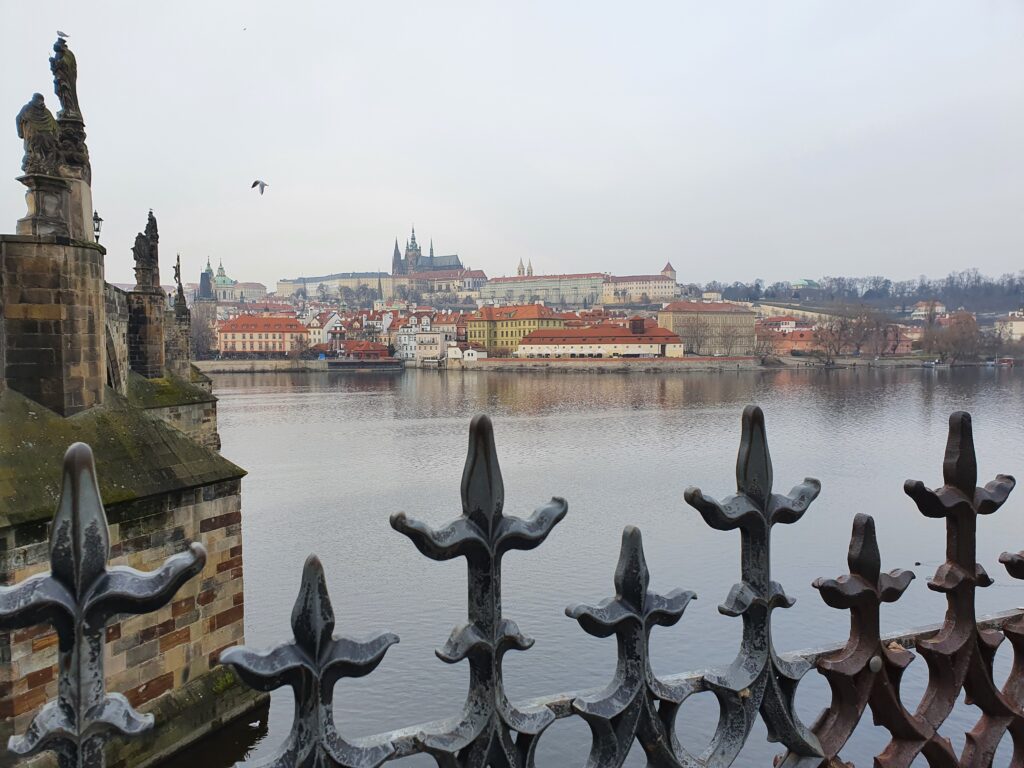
396	261
669	271
529	268
413	253
520	270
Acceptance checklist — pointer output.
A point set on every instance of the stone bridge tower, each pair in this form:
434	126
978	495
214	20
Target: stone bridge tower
51	269
147	304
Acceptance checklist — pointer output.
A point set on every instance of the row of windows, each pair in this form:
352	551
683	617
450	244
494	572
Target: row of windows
256	346
257	335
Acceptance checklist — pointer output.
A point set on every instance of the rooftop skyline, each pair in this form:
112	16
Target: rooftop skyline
795	139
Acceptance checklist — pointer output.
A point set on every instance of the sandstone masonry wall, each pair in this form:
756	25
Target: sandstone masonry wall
197	420
146	352
145	656
116	303
176	345
53	307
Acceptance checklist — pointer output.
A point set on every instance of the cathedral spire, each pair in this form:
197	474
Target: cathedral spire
520	270
412	240
396	260
431	247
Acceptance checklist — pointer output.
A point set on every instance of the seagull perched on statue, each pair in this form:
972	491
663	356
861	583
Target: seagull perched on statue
62	35
261	184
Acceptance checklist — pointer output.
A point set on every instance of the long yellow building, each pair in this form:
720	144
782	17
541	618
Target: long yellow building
500	329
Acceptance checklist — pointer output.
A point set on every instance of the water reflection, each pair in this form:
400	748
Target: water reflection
330	456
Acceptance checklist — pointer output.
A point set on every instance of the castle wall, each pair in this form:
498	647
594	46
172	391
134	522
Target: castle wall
53	297
146	352
116	303
149	655
197	420
176	345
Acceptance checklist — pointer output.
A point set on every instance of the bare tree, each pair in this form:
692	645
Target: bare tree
765	346
300	346
831	337
960	339
202	336
694	334
728	338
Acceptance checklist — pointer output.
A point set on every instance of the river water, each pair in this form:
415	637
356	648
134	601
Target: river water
331	456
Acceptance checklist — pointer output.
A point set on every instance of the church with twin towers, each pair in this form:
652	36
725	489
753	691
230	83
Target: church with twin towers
415	262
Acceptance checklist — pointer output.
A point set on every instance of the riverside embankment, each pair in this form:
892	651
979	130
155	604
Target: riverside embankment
579	365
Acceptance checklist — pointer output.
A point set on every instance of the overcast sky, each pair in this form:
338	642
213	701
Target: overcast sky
777	139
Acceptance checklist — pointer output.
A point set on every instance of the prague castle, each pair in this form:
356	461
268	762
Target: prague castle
413	261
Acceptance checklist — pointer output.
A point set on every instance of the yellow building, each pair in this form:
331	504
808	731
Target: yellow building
500	329
710	328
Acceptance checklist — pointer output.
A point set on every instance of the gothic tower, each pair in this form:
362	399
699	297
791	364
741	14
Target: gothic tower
396	261
413	253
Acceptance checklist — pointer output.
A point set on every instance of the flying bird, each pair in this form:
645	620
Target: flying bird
62	35
261	184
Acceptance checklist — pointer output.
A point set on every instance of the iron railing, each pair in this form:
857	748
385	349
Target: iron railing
81	593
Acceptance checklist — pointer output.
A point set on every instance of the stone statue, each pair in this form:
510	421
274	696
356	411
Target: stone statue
65	80
180	305
38	129
147	258
140	251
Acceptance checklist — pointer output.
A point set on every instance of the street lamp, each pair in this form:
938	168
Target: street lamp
97	225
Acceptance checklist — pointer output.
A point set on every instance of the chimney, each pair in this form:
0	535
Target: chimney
636	326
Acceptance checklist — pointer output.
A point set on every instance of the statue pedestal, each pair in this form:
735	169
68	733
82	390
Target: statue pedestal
76	169
49	206
80	205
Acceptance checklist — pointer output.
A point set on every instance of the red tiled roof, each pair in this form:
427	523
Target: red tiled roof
255	324
520	312
600	334
706	306
355	345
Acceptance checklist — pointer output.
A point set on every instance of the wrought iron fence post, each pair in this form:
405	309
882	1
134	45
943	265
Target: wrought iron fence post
635	704
866	671
960	655
758	680
79	595
491	730
311	664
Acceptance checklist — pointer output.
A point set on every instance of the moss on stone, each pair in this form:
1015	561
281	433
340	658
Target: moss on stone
197	376
164	392
136	456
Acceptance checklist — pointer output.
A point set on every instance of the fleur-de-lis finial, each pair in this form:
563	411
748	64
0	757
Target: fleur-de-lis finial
491	731
635	704
311	664
79	595
960	654
758	681
865	670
